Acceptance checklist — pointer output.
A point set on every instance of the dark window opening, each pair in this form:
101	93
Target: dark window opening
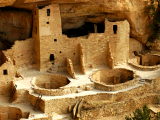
5	72
55	40
47	22
52	63
35	12
48	12
73	53
51	57
100	28
115	29
60	52
135	53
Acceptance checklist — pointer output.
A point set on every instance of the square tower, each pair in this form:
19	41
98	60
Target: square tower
118	40
48	34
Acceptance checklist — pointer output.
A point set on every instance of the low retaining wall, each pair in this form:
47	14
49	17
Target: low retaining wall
116	87
144	68
61	91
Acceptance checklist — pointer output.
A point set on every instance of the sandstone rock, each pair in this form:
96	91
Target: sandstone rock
74	15
15	25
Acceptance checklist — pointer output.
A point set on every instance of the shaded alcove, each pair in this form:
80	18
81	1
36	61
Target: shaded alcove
84	30
16	24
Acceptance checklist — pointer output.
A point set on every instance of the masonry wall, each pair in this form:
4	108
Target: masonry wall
70	68
150	60
82	62
36	36
119	40
50	34
10	113
21	53
134	45
7	74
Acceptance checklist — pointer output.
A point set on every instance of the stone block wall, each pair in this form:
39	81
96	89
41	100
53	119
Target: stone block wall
119	40
21	54
150	59
36	36
7	74
110	57
70	68
82	62
145	68
8	112
116	108
134	45
50	33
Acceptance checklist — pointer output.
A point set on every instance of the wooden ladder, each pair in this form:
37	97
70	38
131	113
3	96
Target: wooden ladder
12	93
37	102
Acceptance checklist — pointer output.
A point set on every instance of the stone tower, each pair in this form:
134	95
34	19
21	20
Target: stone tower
118	33
48	34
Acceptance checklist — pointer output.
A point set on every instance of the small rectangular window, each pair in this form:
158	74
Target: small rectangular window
48	12
47	22
51	57
115	29
55	40
5	72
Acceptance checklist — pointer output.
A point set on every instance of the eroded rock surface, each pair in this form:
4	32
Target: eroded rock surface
15	25
75	12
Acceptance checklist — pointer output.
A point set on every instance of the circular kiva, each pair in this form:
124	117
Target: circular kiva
114	79
52	84
51	81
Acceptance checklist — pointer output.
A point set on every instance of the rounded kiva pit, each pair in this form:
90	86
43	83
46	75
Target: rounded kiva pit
51	81
114	79
113	76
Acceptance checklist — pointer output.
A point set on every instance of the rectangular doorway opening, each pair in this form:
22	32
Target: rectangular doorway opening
51	57
115	29
48	12
5	72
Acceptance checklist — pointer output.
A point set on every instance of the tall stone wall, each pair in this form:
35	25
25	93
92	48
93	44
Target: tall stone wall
50	33
82	62
70	68
119	40
21	54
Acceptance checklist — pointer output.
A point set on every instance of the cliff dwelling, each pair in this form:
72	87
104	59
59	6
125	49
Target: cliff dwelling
77	59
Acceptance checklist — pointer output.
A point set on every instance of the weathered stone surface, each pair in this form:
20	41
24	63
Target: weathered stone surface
74	15
15	25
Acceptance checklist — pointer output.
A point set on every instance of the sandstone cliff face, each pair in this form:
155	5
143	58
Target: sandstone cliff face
15	25
75	12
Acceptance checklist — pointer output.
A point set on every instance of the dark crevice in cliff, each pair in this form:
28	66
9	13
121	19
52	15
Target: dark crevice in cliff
13	9
84	30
